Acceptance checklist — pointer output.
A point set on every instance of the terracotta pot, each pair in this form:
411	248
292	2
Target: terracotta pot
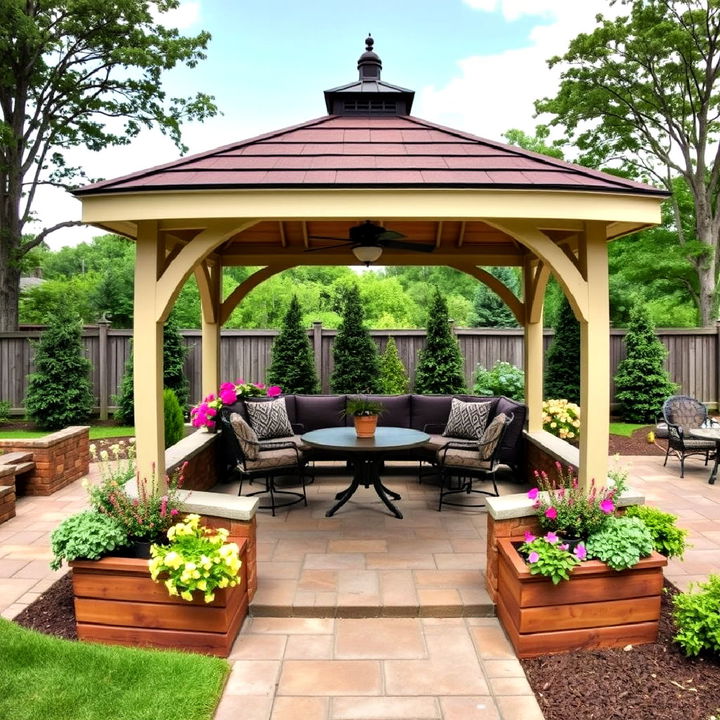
365	425
596	607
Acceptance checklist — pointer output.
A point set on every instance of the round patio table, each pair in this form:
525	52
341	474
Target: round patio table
367	457
709	434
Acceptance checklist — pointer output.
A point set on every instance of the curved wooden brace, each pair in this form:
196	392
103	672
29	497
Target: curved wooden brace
169	284
499	288
545	249
248	284
536	296
207	288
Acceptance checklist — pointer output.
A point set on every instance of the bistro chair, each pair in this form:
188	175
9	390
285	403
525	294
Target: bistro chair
682	414
265	460
462	462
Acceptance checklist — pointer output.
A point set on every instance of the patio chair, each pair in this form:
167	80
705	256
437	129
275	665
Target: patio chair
461	463
683	413
266	461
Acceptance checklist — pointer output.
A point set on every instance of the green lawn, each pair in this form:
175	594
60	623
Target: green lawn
45	678
96	433
626	429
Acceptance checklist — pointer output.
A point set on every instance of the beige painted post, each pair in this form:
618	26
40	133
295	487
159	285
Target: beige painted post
534	281
210	379
594	357
148	356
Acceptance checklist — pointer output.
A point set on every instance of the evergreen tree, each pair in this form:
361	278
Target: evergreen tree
488	309
440	363
393	375
293	366
125	400
641	380
59	391
354	353
174	418
562	368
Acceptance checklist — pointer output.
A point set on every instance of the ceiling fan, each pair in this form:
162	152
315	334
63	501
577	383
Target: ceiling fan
368	240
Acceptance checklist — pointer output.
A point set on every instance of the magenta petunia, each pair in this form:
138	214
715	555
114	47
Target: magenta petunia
564	546
274	391
607	506
228	395
529	537
533	557
551	513
580	552
551	537
533	493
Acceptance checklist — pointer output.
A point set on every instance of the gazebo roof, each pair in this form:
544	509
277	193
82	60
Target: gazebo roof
372	151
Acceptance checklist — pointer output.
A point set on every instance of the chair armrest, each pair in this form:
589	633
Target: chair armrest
270	445
298	428
434	428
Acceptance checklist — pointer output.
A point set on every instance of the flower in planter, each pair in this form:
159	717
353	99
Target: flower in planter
196	558
547	556
204	414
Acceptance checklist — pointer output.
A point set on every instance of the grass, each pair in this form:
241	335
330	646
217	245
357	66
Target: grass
45	678
96	433
625	429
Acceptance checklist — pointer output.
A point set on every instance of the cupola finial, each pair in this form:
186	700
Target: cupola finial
369	42
369	64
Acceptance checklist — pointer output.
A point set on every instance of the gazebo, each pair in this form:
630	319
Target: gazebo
465	201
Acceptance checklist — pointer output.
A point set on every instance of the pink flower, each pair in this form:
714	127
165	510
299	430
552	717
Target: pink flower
274	391
533	493
533	557
228	395
564	546
259	386
174	511
580	552
529	537
551	537
607	506
551	513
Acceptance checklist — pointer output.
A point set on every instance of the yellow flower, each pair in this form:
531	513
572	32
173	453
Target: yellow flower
170	585
209	597
202	585
186	595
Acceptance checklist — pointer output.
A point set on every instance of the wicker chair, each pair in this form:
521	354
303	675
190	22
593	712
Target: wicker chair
683	413
462	462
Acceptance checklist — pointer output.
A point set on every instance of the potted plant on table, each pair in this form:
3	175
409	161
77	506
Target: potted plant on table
365	413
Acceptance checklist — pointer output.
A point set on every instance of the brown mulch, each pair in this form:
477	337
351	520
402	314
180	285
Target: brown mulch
53	613
642	682
637	444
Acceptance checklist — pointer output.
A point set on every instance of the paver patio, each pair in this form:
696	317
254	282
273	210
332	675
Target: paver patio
432	651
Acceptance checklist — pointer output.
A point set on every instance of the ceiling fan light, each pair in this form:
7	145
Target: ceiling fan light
367	253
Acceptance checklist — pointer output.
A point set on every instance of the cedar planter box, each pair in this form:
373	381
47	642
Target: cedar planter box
117	603
597	607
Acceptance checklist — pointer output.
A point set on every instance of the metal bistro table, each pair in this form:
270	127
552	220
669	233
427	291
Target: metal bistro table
709	434
367	457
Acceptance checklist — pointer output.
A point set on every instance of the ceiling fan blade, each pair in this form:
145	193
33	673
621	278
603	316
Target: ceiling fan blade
399	245
390	235
329	247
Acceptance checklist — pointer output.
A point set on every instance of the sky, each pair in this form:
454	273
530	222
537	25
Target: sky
475	65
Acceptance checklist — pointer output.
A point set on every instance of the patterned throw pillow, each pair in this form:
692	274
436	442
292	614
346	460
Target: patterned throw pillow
246	436
467	419
491	436
269	419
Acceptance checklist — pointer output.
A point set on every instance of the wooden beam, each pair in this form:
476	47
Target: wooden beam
283	238
438	234
461	234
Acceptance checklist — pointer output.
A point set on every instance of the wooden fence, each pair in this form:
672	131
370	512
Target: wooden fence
693	359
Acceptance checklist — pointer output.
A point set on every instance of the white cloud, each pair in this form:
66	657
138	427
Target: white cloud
515	9
182	17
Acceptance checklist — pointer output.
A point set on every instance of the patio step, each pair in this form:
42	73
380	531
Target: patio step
16	458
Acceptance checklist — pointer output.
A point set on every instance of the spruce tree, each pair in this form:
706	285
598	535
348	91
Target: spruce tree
642	383
174	418
59	391
488	309
393	375
562	367
440	364
355	353
292	366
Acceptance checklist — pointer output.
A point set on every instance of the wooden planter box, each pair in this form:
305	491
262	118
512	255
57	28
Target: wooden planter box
117	603
597	607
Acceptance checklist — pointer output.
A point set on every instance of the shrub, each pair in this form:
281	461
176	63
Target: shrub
621	542
504	379
293	365
668	539
697	618
394	379
440	364
125	399
4	411
174	420
59	392
488	309
641	380
354	352
88	535
562	365
562	419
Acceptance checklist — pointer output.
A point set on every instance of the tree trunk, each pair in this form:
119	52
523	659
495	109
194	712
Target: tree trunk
9	289
706	265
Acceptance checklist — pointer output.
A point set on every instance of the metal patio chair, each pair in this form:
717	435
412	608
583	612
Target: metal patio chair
683	413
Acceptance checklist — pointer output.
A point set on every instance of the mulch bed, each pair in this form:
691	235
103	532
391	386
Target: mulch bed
53	613
636	444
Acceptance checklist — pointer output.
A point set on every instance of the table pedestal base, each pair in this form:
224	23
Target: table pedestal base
366	472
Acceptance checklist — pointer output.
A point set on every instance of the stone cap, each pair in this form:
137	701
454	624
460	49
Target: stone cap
46	440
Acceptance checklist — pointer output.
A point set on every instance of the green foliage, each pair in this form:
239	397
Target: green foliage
174	353
88	535
621	542
354	352
562	365
537	143
642	384
293	366
174	427
4	411
59	392
618	477
697	618
125	400
440	364
504	379
552	561
38	304
362	406
668	539
488	309
393	375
